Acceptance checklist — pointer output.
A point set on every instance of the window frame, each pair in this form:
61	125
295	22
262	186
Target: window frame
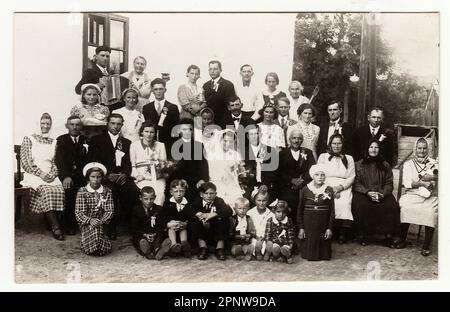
106	33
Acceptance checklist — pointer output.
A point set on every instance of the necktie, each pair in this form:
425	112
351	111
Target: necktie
373	133
283	122
158	107
332	124
75	140
104	71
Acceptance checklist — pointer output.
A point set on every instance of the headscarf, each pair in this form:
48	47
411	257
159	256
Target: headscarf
340	155
378	160
423	160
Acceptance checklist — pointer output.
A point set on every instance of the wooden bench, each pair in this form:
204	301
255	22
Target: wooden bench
21	194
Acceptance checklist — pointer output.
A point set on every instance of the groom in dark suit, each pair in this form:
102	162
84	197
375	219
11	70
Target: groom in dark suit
218	90
113	151
70	159
162	113
375	129
235	118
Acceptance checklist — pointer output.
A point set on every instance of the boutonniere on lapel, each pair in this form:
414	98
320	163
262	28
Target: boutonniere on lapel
382	137
119	144
324	196
304	156
163	116
101	201
153	220
86	148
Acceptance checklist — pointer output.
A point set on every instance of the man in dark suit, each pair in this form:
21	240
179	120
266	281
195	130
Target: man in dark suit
235	118
335	126
375	129
191	162
293	171
70	158
253	152
162	113
218	90
100	69
113	151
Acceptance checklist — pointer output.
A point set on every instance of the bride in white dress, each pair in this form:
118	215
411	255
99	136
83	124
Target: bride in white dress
225	163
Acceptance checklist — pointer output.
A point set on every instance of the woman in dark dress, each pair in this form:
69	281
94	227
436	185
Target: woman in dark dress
315	216
374	208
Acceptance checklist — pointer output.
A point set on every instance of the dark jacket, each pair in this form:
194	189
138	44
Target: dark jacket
221	208
218	101
70	158
90	75
141	223
102	150
228	121
170	212
362	136
171	120
346	131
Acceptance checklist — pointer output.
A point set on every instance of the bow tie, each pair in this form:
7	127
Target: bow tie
236	119
333	124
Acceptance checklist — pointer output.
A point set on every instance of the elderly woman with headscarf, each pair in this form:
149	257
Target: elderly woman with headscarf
419	205
41	175
374	207
341	175
140	81
315	216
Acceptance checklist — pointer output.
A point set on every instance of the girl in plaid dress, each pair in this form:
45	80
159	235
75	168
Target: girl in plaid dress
279	236
94	208
37	155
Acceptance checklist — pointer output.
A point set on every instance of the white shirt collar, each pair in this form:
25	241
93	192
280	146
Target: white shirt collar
163	101
372	129
284	221
73	138
217	79
114	138
240	116
205	203
337	121
295	154
91	190
103	69
183	203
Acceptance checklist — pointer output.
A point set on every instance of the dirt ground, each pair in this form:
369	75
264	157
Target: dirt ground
41	259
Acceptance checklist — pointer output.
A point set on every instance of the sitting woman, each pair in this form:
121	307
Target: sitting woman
309	130
271	132
148	157
341	175
93	115
374	207
133	118
140	81
419	205
190	96
47	193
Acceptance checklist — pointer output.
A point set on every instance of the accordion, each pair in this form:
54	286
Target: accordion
112	92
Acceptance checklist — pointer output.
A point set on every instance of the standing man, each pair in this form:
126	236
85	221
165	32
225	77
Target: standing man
251	96
113	151
335	126
296	98
284	119
375	129
235	116
162	113
218	90
70	158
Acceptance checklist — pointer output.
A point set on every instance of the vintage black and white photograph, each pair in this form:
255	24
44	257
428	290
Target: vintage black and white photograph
225	147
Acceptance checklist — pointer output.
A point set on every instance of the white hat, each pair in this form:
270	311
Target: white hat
94	165
318	168
91	85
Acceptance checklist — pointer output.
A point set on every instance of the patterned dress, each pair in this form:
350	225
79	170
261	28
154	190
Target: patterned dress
37	156
272	135
93	118
280	232
315	216
97	204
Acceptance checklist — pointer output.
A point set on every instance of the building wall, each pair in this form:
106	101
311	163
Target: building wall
48	55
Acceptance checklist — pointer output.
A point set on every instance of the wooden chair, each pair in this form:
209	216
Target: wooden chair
21	194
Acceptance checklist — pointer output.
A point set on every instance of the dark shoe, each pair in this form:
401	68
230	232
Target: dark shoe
186	249
175	249
248	257
163	250
267	256
144	246
203	254
58	234
425	252
221	254
341	240
150	256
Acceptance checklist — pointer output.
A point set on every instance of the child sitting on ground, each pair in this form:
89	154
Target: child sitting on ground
260	215
242	230
94	207
279	235
147	227
175	215
210	222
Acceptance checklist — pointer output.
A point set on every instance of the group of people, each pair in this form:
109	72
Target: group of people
236	170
